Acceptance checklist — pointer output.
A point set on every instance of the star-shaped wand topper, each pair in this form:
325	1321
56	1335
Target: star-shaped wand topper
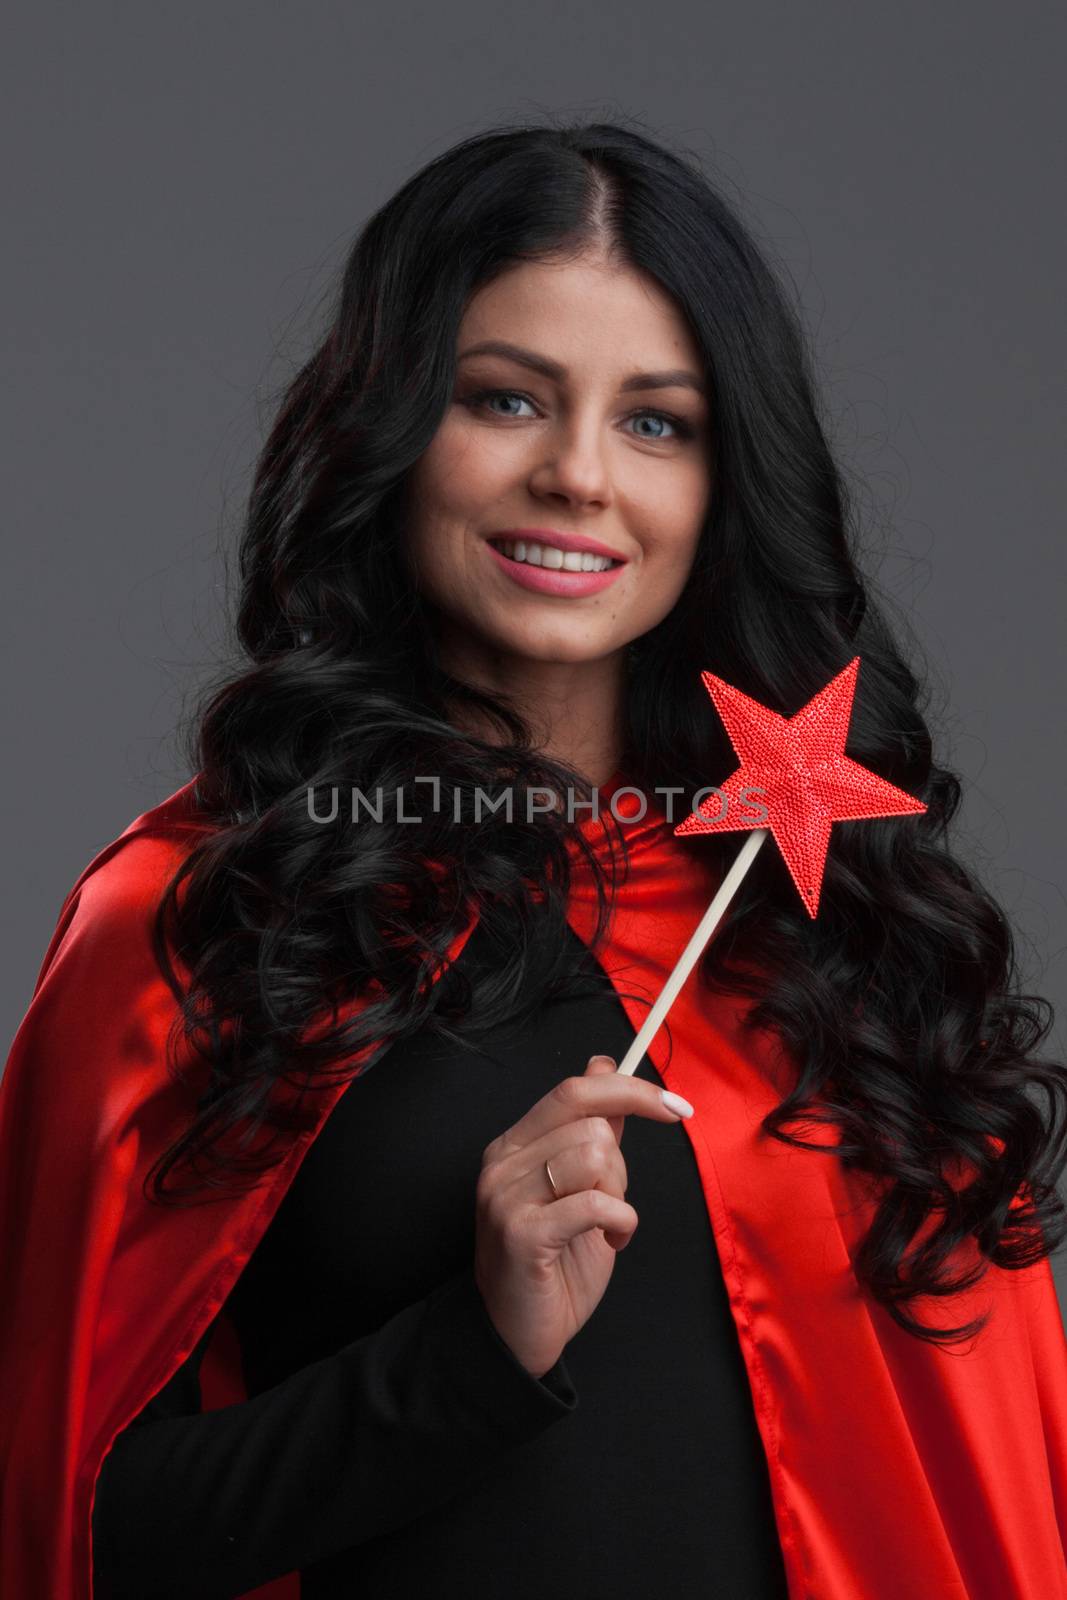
795	767
806	780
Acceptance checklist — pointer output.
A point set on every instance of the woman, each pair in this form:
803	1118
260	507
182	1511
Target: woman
277	1313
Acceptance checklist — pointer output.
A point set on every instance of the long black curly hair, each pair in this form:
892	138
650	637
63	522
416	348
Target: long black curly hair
900	1002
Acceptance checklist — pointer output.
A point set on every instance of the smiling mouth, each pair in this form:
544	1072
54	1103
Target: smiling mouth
527	552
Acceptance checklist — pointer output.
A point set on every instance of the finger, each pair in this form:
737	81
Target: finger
552	1227
600	1094
581	1158
602	1064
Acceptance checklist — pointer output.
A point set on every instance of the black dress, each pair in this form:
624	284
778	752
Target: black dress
392	1444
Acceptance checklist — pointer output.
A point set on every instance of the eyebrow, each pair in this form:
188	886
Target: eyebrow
676	378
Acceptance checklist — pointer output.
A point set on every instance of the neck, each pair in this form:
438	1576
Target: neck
574	708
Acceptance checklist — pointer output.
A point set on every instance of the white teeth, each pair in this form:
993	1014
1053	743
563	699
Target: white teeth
545	555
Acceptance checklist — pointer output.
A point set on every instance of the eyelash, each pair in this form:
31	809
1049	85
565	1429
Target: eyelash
685	430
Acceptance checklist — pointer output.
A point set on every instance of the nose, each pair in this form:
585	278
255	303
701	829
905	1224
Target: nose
573	467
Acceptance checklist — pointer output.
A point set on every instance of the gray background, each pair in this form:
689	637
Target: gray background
182	185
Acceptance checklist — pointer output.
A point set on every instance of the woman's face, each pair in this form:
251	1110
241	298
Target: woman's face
577	439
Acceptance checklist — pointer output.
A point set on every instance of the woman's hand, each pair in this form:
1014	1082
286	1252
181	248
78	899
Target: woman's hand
541	1263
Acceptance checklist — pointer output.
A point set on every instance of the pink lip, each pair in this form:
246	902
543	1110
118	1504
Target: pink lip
549	580
560	541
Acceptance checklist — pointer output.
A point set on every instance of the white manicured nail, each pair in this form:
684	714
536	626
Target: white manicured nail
674	1102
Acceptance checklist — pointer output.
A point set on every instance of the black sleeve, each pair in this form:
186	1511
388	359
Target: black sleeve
358	1444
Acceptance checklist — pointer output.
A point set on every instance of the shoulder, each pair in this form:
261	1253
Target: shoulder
102	1006
110	906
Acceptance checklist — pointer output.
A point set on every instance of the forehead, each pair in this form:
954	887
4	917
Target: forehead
581	314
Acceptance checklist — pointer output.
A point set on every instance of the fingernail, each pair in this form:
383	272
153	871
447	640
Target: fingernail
674	1102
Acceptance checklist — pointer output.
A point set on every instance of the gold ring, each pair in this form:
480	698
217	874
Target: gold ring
551	1179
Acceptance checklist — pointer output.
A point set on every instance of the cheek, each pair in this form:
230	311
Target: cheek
672	523
437	499
438	517
462	465
457	485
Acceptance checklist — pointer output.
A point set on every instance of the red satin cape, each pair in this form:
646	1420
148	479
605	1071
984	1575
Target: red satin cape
896	1469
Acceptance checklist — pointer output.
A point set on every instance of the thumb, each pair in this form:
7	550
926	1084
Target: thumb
598	1065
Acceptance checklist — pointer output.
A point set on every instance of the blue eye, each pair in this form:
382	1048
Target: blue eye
498	394
664	416
683	429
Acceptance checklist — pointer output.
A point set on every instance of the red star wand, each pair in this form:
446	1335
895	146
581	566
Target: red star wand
799	765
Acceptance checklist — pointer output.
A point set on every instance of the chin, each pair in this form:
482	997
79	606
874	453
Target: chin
559	655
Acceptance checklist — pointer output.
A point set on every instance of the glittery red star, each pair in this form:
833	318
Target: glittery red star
805	779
